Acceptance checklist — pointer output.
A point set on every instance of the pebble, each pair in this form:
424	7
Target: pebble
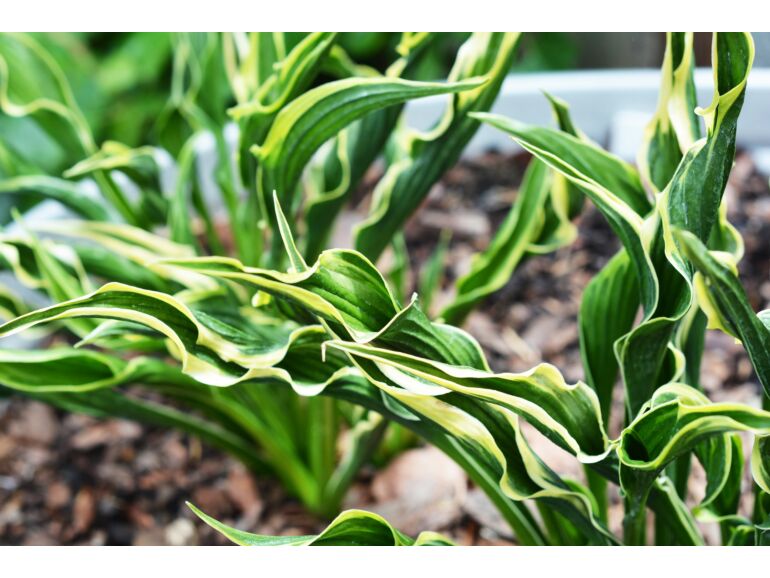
421	489
180	532
36	423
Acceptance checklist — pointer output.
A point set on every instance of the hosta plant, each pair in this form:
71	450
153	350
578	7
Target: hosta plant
248	117
269	344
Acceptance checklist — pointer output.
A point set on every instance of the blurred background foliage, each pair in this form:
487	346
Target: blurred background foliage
121	81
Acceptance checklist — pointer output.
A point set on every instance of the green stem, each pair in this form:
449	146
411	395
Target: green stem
635	522
364	444
278	453
561	532
759	514
598	486
322	430
678	472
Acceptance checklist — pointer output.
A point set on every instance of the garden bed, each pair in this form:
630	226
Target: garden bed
69	479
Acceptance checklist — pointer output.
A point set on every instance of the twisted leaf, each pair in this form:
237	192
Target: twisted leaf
351	528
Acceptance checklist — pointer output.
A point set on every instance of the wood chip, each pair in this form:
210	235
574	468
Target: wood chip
83	511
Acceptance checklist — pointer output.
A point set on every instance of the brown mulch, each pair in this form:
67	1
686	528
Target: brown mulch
71	479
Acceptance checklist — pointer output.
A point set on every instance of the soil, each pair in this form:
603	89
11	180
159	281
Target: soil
71	479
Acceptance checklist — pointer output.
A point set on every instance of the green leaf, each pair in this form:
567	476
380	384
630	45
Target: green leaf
199	89
676	419
344	290
78	370
691	201
722	458
423	158
250	59
319	114
430	279
491	269
10	304
674	514
538	222
612	185
609	181
264	80
351	528
338	173
399	271
209	349
281	78
141	165
138	60
566	414
409	331
707	164
721	295
674	127
126	253
607	310
33	85
65	192
56	269
674	422
566	200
